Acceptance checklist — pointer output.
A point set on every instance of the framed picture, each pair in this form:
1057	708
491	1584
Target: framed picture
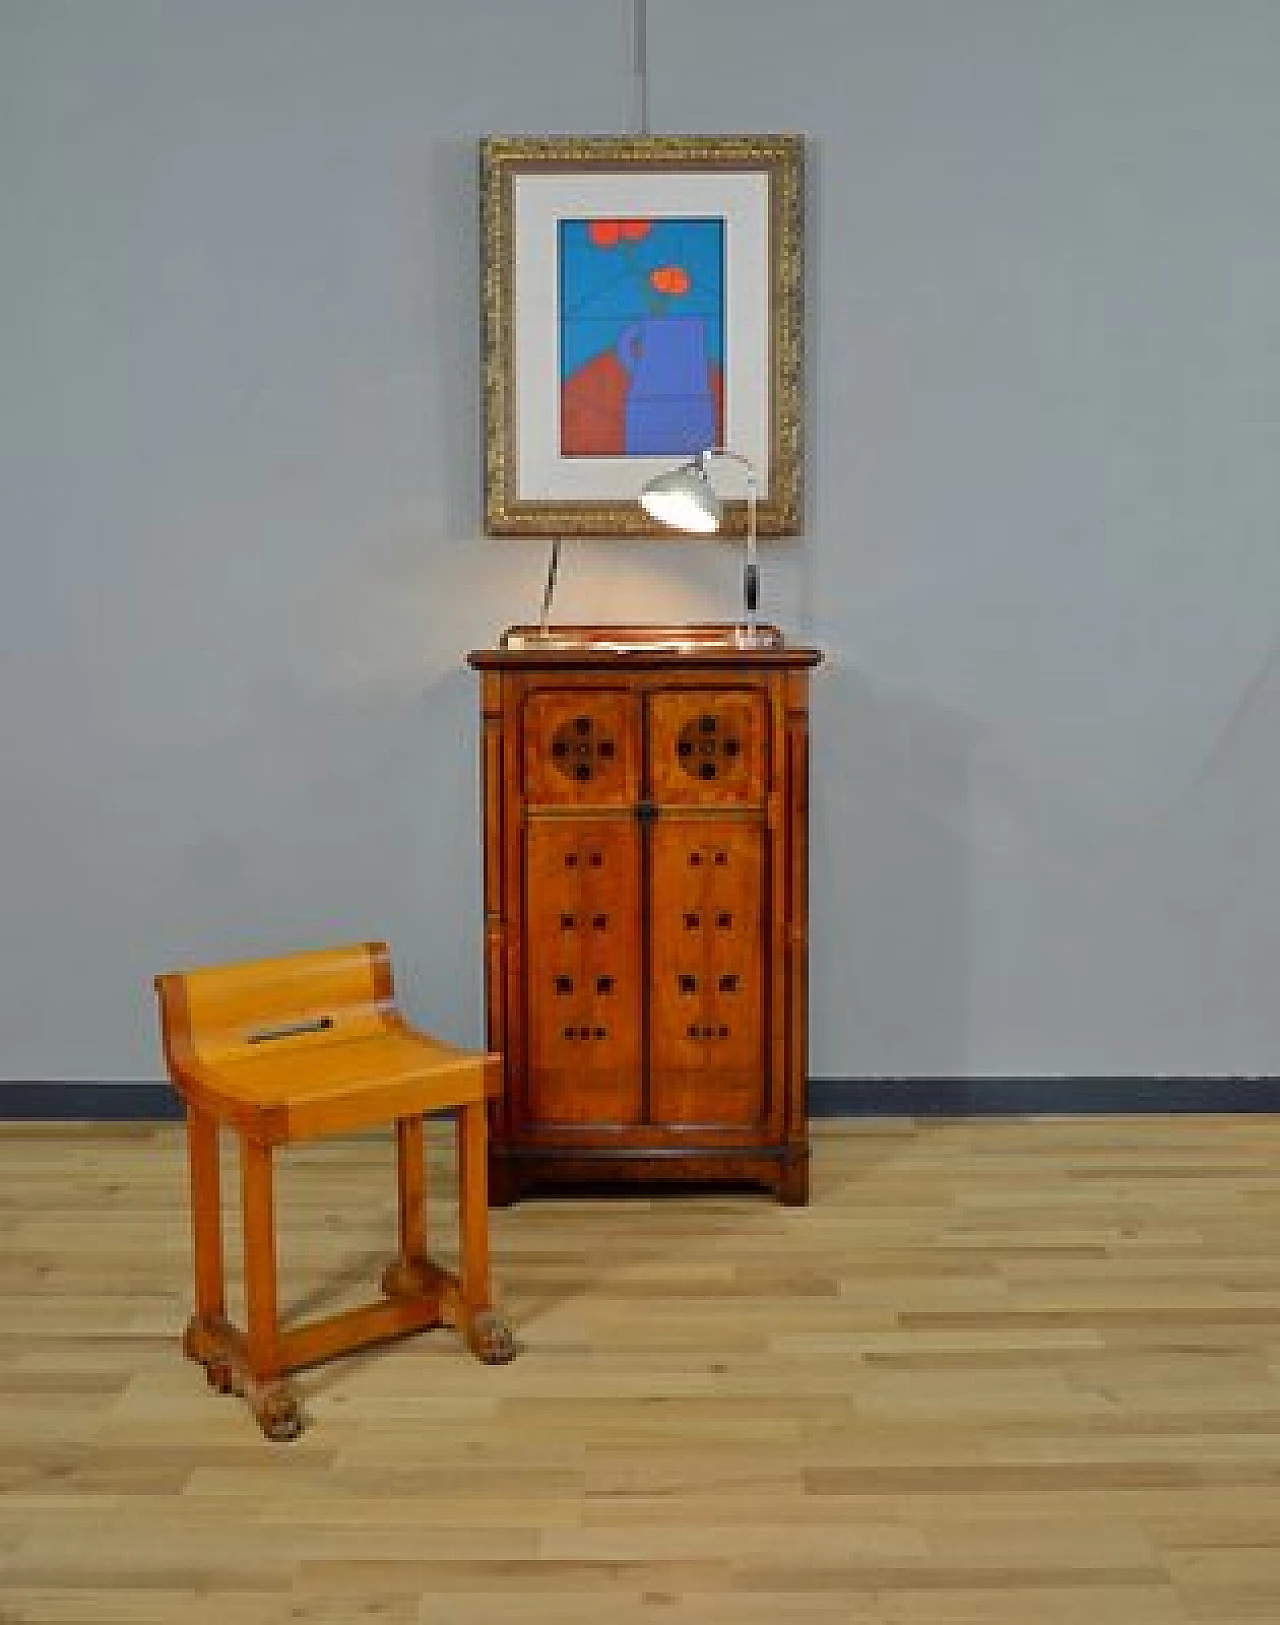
642	302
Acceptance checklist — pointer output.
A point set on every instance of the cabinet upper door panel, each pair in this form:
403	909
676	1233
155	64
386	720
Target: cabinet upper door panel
581	748
708	747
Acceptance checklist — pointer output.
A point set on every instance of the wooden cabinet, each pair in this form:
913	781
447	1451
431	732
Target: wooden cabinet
645	870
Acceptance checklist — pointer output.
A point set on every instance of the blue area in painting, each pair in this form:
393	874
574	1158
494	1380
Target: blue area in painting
666	333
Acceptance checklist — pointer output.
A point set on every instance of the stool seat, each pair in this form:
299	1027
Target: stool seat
293	1048
297	1089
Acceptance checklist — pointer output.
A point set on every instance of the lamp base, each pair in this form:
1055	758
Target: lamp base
678	638
757	637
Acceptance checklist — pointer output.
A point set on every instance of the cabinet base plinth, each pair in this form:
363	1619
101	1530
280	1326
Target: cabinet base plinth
519	1173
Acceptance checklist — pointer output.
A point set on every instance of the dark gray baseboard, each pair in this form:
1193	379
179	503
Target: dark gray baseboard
1038	1097
828	1098
89	1102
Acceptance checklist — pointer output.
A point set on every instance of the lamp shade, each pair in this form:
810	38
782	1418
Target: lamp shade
684	498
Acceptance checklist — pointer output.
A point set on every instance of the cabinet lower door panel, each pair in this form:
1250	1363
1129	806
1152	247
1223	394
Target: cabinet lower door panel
582	976
708	1061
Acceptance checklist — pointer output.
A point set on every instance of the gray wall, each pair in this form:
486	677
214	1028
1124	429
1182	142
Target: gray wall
240	550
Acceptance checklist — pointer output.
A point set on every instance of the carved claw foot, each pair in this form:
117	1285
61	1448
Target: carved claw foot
200	1342
278	1411
413	1278
490	1338
220	1377
399	1280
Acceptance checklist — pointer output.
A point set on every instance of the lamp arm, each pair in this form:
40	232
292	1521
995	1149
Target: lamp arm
750	565
548	591
730	456
750	568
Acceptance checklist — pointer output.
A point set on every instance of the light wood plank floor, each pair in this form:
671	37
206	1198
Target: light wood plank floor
999	1373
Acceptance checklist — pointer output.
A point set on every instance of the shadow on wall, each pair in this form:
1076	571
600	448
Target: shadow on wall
441	948
890	884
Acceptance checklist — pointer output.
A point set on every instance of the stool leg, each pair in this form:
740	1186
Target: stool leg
411	1274
206	1213
412	1181
273	1400
202	1339
473	1197
487	1332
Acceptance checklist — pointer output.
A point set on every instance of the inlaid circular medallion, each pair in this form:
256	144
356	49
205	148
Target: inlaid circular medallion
578	748
708	746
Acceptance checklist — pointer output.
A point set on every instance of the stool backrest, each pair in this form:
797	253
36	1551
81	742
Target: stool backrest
209	1016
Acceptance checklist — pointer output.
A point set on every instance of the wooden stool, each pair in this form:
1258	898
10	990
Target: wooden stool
292	1049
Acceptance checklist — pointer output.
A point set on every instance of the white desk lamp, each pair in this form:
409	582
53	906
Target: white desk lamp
685	499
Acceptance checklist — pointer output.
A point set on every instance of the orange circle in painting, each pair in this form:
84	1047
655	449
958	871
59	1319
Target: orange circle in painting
607	233
670	279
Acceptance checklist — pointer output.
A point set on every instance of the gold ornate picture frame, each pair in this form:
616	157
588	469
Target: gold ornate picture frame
642	300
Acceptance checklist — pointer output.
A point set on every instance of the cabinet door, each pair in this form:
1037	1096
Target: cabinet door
582	978
708	748
582	913
707	1051
708	958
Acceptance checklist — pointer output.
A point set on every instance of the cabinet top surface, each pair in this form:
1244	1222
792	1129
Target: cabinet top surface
703	644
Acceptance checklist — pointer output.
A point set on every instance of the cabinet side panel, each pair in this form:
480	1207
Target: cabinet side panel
797	906
492	797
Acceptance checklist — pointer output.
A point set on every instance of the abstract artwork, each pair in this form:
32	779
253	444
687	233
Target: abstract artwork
641	319
642	302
